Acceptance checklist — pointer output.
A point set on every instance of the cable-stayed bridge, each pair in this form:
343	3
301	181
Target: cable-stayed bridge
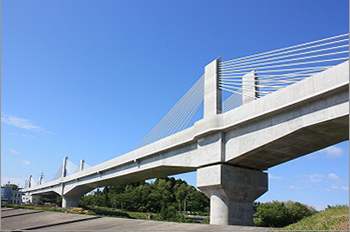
258	111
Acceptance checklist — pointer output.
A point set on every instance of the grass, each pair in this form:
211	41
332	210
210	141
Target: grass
334	218
46	208
104	211
91	210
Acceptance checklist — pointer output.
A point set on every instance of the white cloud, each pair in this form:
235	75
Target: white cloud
294	187
273	177
13	151
315	177
25	162
337	187
333	176
300	187
21	123
22	134
334	151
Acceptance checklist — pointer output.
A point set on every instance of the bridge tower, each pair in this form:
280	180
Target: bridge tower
67	201
212	92
30	181
232	190
81	165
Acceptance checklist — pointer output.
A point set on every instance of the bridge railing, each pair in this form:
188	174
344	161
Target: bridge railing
255	76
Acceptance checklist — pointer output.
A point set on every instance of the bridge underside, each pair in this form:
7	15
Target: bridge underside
49	193
157	172
302	142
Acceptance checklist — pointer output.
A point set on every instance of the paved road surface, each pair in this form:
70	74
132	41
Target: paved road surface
24	219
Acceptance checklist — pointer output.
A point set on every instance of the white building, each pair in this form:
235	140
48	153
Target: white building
27	199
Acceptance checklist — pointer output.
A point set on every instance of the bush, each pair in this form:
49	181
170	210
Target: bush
280	214
298	211
170	213
206	220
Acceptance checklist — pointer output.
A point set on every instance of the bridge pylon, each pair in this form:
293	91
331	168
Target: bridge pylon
232	190
212	91
64	167
81	165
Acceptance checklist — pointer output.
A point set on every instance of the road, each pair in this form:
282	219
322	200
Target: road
24	219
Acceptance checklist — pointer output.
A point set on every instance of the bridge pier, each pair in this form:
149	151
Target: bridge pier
232	191
70	201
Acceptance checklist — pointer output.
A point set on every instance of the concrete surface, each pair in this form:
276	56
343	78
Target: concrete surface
23	219
27	220
212	92
232	191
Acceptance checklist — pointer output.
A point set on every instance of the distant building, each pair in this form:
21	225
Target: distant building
5	195
11	196
16	197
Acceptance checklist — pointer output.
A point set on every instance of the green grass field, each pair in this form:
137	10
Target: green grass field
100	211
334	218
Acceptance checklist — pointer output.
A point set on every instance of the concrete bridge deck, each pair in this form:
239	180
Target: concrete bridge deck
232	150
305	117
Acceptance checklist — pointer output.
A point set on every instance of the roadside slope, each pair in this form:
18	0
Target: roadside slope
334	218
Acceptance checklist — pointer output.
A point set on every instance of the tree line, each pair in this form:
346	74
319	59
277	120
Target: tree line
162	194
170	198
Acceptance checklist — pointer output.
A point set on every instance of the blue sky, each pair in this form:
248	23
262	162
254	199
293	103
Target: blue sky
89	79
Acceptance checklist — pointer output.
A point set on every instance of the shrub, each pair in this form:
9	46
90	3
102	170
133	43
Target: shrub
280	214
206	220
170	213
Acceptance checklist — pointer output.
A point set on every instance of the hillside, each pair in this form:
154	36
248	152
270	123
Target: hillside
332	218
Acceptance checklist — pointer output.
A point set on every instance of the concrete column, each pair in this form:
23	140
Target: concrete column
64	166
232	191
70	201
81	166
249	87
212	92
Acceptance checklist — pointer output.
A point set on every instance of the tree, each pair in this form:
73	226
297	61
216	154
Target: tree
180	191
280	214
106	197
298	211
169	213
164	194
11	186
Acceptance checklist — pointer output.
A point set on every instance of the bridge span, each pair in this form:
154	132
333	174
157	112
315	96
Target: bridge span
231	151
